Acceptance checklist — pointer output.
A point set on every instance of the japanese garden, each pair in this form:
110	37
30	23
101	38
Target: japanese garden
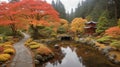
36	33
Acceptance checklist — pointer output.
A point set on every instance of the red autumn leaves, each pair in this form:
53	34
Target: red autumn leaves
21	14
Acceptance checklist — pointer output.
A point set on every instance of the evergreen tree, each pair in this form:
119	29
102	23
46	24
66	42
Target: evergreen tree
77	10
71	15
14	1
92	9
102	25
119	22
53	4
98	9
68	16
103	22
60	8
114	8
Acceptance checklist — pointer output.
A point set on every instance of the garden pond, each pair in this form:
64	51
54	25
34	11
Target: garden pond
71	54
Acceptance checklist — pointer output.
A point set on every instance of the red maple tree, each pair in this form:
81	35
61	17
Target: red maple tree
9	16
33	11
38	12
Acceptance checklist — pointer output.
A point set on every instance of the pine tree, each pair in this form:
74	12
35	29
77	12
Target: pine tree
11	1
119	22
60	8
102	25
71	15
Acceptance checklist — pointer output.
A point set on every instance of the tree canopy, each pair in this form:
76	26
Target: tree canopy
25	12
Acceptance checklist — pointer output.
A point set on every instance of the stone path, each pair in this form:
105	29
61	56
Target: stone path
23	57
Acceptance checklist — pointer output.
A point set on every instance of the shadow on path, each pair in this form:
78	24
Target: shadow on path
23	57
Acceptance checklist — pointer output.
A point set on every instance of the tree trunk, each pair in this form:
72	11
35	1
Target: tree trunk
14	31
35	33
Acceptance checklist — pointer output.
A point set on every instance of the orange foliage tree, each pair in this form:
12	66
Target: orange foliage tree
9	16
64	24
38	10
27	12
63	21
39	13
113	31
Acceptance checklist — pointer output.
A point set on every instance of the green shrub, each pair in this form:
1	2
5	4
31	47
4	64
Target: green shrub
61	30
4	38
53	34
19	34
105	39
48	30
119	22
5	29
116	44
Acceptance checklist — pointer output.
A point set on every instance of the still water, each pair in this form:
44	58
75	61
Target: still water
72	54
70	60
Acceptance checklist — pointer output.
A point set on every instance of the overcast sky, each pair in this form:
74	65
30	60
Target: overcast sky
69	4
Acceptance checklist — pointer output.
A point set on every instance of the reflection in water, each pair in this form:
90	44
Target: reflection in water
70	60
76	55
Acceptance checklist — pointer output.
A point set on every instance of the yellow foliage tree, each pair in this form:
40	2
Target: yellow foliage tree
63	21
78	25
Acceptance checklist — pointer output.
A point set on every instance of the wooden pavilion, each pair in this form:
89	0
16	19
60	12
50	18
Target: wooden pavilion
90	27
